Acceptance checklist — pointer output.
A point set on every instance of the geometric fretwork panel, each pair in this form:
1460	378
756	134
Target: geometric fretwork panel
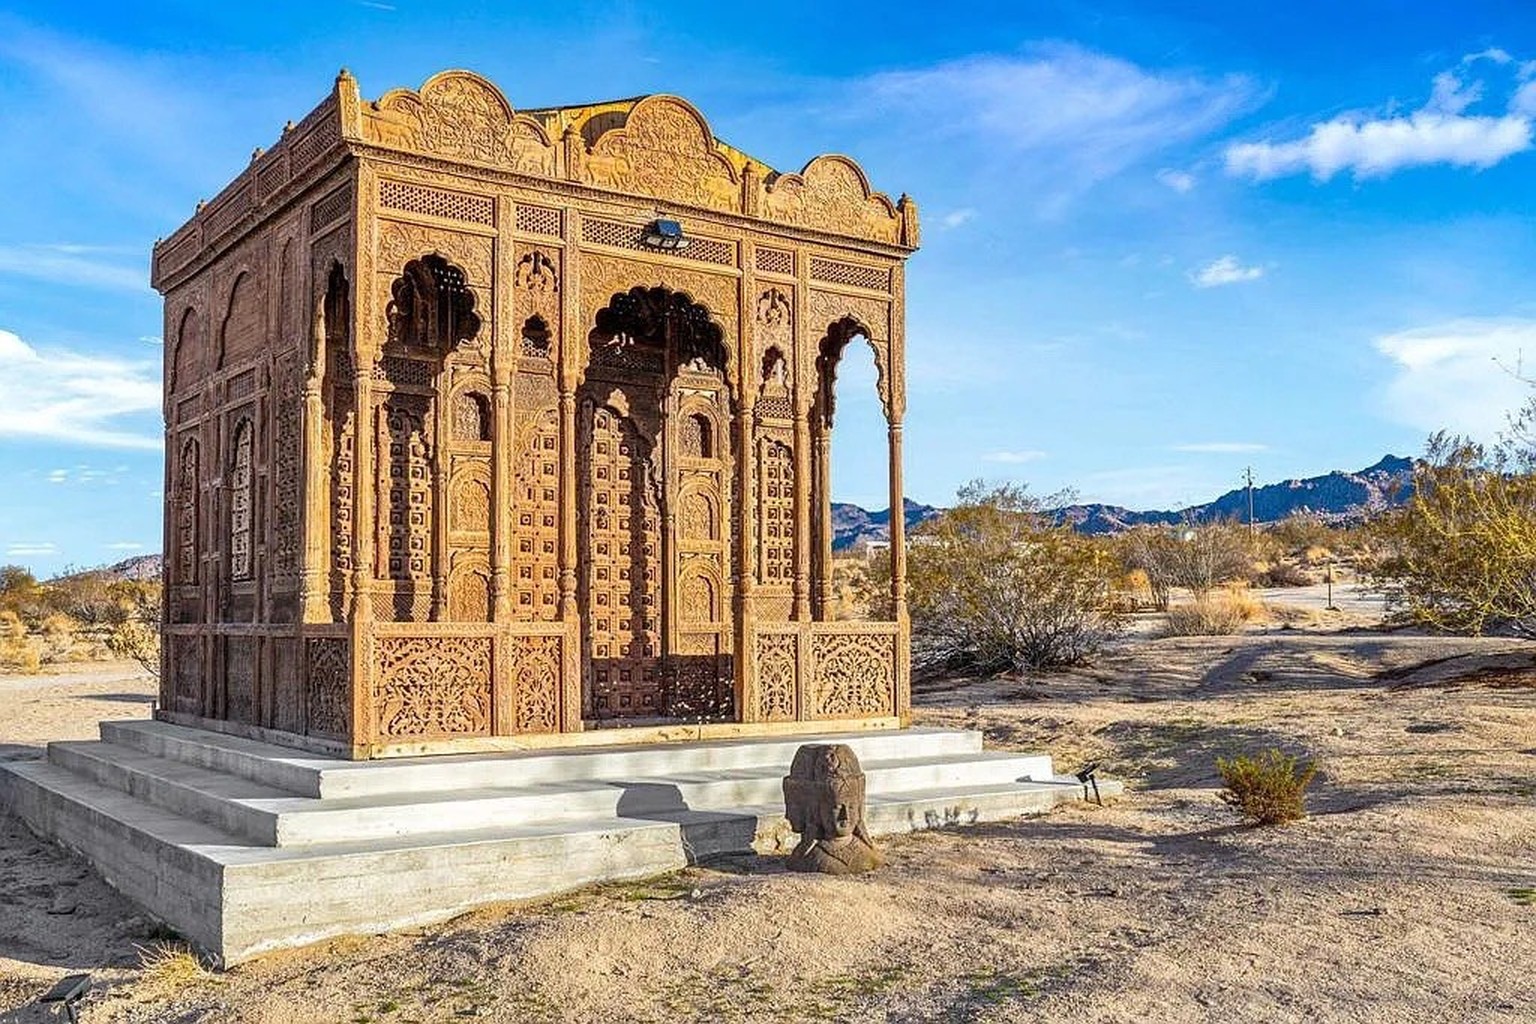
853	675
536	523
775	512
432	687
622	566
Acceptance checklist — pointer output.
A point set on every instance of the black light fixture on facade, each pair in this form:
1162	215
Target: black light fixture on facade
664	234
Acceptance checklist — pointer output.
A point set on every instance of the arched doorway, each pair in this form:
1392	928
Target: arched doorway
653	477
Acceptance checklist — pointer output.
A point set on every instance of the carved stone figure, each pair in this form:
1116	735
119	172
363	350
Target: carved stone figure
824	801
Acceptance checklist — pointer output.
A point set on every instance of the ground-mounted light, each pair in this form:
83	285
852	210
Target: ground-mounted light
66	992
664	234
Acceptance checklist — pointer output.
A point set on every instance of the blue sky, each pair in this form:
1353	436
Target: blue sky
1162	241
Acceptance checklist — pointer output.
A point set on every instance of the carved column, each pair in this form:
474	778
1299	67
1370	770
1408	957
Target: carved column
314	496
364	489
898	528
501	493
804	534
823	469
746	562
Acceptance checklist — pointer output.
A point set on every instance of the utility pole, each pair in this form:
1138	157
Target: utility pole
1248	475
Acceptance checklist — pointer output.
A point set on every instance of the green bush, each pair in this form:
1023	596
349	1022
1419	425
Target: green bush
1269	789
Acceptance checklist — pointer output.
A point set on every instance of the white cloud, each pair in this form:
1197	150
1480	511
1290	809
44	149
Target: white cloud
1057	118
1371	146
124	545
74	397
955	218
26	549
58	476
1460	375
1225	270
1015	458
71	265
1221	447
1180	181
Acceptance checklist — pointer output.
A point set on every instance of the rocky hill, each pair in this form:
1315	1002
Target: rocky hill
1337	497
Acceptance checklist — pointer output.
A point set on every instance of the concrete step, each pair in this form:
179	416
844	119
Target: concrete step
194	845
275	817
228	802
308	775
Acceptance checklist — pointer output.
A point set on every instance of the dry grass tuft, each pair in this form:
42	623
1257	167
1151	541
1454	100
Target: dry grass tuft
168	968
1219	612
1269	789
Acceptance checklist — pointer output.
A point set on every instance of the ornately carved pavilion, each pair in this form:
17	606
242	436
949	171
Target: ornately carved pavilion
463	451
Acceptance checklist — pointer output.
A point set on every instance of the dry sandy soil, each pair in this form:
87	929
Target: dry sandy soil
1408	895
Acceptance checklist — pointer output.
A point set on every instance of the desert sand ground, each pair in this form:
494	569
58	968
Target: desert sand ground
1409	894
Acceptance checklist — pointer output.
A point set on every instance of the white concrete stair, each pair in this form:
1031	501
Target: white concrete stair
246	847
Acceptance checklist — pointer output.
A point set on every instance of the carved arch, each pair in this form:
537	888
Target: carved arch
664	148
830	354
462	115
184	349
432	306
645	323
239	292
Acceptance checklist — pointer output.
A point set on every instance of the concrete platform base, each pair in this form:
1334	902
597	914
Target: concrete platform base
244	847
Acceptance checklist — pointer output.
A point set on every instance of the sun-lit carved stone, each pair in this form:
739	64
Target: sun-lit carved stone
824	802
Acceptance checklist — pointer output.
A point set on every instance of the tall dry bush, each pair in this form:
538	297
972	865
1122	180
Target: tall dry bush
1196	558
992	586
1460	556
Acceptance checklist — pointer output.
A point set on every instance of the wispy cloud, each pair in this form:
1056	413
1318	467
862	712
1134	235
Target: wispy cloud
1224	270
955	218
1076	116
82	266
1462	375
124	545
1014	457
25	549
1370	145
74	397
1180	181
1221	447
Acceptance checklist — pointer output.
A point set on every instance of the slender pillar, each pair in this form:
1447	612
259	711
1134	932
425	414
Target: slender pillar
501	496
568	505
746	565
804	533
898	528
364	491
824	609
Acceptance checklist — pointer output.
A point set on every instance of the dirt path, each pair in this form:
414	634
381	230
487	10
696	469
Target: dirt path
1406	896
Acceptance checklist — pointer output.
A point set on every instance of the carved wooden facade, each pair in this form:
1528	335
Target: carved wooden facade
456	461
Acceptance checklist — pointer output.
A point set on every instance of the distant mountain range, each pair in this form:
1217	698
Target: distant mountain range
1336	497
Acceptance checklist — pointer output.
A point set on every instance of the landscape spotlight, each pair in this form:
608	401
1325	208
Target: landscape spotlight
664	234
1087	775
68	991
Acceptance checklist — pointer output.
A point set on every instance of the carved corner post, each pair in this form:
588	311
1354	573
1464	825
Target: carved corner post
503	360
747	704
441	461
897	386
803	404
364	335
315	510
571	354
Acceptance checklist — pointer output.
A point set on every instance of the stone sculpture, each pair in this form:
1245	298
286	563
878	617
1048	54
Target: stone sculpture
824	801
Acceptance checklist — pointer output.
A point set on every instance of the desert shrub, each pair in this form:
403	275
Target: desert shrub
1219	612
18	653
137	636
1194	557
992	586
1460	556
1269	789
1284	574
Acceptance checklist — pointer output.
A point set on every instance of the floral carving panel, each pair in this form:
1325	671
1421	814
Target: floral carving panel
665	149
832	194
777	670
464	117
535	704
328	687
432	687
853	675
